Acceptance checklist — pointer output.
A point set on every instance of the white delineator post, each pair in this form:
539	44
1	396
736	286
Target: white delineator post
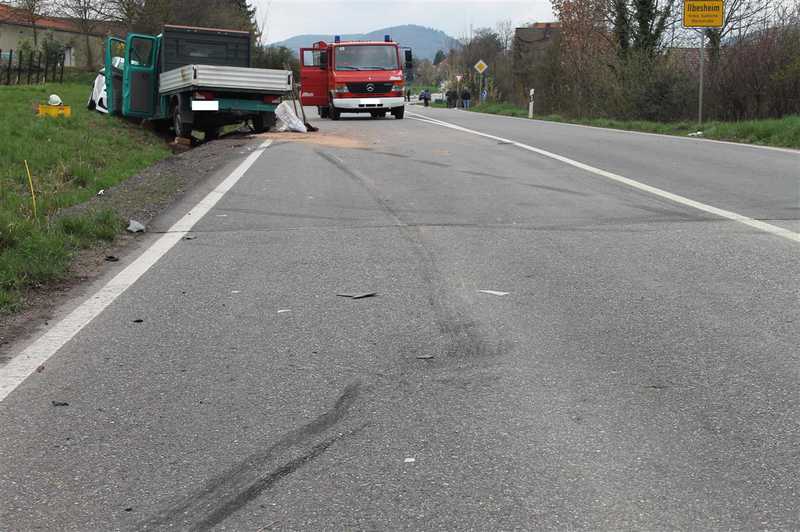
530	103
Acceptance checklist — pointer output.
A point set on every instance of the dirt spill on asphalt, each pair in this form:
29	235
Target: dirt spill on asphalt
338	139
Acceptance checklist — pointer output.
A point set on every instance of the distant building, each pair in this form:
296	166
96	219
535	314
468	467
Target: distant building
79	51
531	45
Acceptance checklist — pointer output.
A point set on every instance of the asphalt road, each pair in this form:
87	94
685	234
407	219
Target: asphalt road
640	373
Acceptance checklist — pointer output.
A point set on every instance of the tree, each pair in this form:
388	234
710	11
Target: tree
88	15
640	24
226	14
32	11
125	12
741	16
439	57
279	57
505	31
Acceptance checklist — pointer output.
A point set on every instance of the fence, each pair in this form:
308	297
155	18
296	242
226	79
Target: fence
20	68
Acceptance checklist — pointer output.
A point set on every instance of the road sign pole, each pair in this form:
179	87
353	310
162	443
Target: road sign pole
700	97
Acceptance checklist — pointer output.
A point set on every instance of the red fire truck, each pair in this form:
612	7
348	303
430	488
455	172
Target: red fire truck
354	77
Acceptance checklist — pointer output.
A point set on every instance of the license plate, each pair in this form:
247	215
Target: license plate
201	105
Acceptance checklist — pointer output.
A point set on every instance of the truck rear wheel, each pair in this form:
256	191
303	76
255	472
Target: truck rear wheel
263	121
182	129
335	114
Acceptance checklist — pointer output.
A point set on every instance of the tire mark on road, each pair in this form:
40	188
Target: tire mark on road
463	336
227	493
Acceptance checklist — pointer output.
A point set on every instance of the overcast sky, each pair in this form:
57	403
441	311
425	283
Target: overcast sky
287	18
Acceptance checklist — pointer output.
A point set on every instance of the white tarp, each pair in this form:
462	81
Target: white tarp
286	116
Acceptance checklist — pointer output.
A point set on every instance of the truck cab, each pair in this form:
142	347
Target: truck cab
354	77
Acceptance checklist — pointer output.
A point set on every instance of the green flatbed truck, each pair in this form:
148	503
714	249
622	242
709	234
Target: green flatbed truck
192	79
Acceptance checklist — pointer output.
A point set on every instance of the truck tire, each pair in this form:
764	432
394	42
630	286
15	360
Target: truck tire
324	112
335	114
182	129
263	121
399	113
378	114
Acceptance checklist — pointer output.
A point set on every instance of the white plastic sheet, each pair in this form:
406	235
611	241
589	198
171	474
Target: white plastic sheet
286	115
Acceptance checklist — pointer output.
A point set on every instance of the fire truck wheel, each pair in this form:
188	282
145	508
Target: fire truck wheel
378	114
324	112
399	113
335	114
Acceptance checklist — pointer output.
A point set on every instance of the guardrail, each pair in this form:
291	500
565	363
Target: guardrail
20	68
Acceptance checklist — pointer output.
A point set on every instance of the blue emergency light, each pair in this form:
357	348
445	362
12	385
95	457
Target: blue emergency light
337	38
387	38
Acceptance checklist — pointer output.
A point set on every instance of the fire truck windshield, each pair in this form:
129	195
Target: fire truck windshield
366	57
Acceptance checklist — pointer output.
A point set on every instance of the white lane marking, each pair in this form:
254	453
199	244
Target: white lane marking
647	133
24	364
758	224
493	292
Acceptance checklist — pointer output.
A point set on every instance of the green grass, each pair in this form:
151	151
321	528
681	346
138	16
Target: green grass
783	132
70	160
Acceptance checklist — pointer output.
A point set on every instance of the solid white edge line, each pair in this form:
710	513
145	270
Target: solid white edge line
26	363
758	224
645	133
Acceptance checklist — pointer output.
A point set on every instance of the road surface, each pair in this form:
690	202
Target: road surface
572	328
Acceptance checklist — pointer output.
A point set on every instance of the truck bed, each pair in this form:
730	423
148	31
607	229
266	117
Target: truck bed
223	77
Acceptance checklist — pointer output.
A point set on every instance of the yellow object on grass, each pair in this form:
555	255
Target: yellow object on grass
54	110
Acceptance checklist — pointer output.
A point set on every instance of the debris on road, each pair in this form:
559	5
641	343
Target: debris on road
425	357
112	258
101	192
410	460
359	296
696	134
189	237
136	227
493	292
40	369
59	403
138	321
283	311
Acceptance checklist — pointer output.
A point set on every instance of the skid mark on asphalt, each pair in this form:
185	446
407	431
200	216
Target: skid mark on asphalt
227	493
462	336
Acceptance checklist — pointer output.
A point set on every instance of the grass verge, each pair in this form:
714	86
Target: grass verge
70	160
783	132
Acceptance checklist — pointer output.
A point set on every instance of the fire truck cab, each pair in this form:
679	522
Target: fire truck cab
353	77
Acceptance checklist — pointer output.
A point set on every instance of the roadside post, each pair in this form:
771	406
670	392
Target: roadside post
530	103
481	67
702	15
